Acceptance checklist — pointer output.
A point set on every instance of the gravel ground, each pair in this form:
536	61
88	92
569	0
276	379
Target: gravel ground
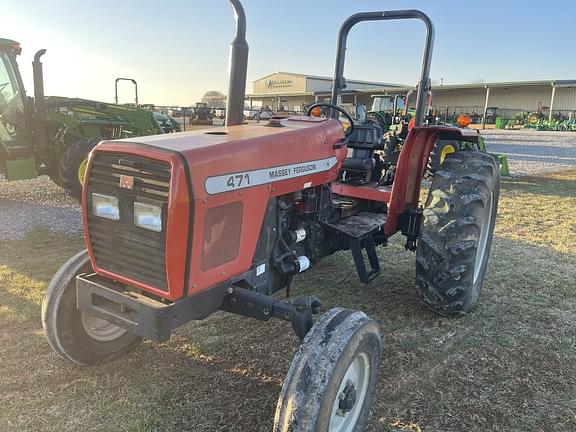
533	152
29	203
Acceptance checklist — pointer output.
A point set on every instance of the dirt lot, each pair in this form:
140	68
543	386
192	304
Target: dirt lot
533	152
509	366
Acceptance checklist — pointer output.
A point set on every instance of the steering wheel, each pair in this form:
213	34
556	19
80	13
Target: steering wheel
3	85
378	118
335	108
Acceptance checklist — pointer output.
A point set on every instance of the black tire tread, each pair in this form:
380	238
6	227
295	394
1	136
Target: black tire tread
451	225
61	340
300	405
71	159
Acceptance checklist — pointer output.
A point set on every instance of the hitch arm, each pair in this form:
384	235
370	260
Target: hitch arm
252	304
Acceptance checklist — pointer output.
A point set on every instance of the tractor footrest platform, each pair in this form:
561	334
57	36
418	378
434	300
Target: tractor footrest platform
138	313
361	225
360	230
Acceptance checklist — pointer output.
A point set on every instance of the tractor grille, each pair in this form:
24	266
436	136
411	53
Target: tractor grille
120	246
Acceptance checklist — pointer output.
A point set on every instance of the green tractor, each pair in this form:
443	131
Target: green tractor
391	112
393	115
54	135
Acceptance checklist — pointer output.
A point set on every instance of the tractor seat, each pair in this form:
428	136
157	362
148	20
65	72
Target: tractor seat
363	141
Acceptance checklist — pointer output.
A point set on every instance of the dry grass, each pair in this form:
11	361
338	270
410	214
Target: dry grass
508	366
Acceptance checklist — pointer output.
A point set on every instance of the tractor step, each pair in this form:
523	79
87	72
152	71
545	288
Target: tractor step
361	225
360	230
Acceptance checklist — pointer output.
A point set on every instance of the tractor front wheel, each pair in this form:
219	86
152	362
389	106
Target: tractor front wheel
76	336
456	232
332	380
73	164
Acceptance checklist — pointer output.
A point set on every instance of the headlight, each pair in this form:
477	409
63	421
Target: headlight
148	216
105	206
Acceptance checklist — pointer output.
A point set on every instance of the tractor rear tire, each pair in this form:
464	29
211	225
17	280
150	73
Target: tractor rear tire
76	336
441	149
73	166
332	380
456	232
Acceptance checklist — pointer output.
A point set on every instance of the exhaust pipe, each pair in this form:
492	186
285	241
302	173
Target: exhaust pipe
42	142
38	76
238	68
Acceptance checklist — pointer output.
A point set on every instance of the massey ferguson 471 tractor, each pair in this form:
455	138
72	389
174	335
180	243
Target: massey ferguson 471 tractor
180	226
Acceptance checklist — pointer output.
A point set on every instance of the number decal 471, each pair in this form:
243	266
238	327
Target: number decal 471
238	180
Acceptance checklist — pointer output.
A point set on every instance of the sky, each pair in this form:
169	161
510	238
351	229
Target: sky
178	50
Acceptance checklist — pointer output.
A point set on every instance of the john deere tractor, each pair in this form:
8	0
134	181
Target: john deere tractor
390	111
54	135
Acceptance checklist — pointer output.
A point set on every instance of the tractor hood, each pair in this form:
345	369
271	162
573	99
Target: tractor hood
281	149
200	179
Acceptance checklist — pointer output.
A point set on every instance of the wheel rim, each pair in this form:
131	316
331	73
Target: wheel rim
449	148
101	330
82	171
351	395
483	240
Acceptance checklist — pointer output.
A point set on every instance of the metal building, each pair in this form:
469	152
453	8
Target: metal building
285	91
505	99
290	91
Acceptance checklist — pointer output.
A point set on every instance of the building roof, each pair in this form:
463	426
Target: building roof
383	88
318	93
273	95
558	83
389	87
501	84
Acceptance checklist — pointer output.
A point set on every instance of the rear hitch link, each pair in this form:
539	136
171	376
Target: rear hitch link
245	302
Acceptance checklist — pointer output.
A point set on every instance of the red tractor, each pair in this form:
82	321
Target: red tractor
180	226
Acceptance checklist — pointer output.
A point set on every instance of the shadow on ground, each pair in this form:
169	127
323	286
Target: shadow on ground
561	185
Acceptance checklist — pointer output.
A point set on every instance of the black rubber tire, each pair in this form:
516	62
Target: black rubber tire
70	161
62	321
435	158
451	229
378	119
391	152
318	367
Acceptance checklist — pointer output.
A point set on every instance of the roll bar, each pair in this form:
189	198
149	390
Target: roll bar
338	82
133	81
